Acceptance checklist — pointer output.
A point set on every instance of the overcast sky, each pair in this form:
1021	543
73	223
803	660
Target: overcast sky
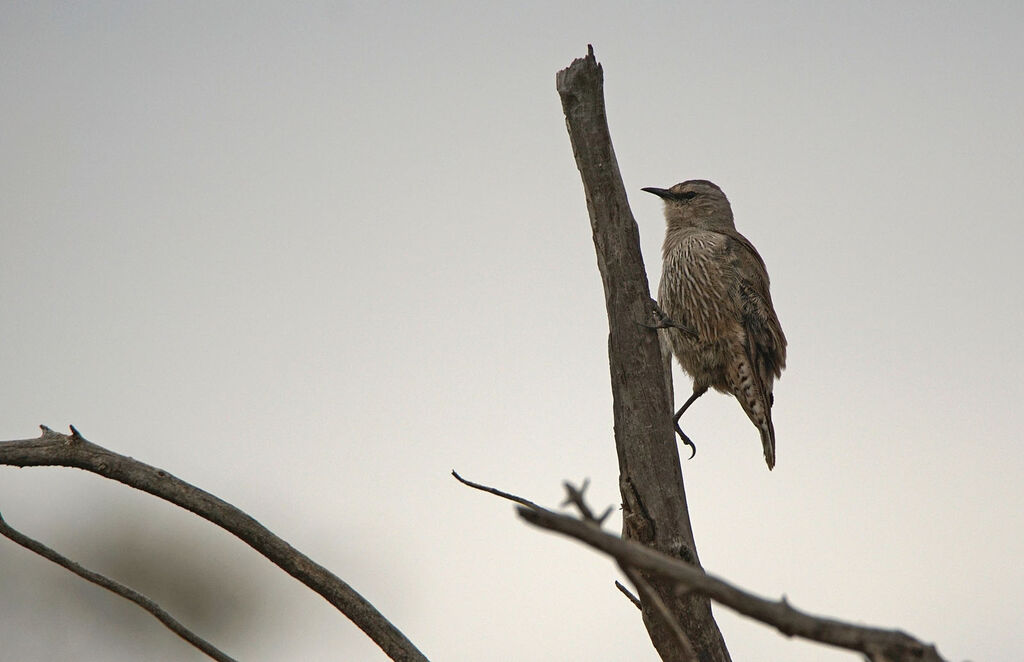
313	256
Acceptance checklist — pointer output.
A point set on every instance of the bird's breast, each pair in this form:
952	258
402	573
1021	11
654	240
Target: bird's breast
695	285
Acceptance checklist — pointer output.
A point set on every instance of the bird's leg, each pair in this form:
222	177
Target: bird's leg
663	321
697	392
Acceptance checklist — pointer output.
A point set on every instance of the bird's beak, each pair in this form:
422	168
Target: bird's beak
660	192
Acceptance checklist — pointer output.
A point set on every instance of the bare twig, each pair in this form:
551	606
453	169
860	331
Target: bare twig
576	496
877	644
55	449
115	587
494	491
629	594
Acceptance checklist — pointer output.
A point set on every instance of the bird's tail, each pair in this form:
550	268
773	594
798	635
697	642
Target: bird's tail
756	399
767	438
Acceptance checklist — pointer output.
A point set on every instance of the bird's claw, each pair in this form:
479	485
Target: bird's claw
663	321
686	440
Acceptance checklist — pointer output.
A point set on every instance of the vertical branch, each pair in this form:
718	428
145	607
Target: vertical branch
650	479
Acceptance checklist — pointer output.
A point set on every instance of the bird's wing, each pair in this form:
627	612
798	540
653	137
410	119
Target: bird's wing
766	344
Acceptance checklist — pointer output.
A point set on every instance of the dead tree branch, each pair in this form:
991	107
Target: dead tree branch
650	479
877	644
639	561
117	588
55	449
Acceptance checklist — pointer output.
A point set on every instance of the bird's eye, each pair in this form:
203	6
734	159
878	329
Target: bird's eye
686	195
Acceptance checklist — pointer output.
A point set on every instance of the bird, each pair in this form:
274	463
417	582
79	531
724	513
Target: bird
721	325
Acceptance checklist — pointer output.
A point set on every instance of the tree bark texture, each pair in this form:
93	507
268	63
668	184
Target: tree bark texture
650	478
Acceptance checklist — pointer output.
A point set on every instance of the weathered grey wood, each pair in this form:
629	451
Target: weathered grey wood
55	449
877	644
650	479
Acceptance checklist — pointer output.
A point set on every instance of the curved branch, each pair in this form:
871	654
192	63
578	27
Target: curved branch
117	588
55	449
877	644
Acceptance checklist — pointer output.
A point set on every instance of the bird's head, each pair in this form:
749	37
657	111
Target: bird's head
695	203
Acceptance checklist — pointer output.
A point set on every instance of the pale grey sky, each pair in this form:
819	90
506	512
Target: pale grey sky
312	257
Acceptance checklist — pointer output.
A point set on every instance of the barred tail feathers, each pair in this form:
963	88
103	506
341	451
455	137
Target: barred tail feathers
756	402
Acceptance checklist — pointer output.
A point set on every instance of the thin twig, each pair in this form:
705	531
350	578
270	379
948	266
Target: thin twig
115	587
495	491
576	496
629	594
